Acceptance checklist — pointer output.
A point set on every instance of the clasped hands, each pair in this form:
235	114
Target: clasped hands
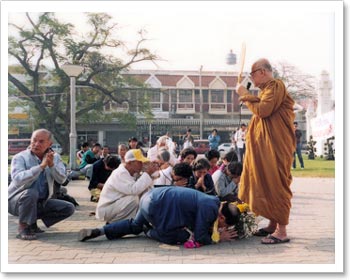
227	234
200	184
47	160
151	167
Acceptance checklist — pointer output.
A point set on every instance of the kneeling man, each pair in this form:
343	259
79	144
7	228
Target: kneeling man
174	215
120	196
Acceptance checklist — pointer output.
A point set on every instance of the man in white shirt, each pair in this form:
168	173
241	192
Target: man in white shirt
162	143
240	142
188	139
123	189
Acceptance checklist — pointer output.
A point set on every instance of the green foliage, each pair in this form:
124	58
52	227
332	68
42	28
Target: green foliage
44	44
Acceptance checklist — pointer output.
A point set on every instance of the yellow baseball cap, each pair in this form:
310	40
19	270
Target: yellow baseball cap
135	155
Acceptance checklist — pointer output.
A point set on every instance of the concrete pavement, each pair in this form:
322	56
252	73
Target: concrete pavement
311	229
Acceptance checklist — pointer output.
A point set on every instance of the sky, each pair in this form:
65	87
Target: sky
188	34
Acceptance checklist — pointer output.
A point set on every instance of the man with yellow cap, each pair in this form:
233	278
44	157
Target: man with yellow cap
121	193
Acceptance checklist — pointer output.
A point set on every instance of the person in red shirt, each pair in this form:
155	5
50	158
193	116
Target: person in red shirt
213	156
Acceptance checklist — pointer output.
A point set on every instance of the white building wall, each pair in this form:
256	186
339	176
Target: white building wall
324	109
101	138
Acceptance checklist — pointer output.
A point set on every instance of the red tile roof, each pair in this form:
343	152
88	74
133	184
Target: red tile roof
169	80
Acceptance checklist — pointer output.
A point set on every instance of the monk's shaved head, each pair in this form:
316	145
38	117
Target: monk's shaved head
262	63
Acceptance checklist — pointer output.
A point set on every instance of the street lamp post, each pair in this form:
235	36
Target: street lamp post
73	71
200	104
231	59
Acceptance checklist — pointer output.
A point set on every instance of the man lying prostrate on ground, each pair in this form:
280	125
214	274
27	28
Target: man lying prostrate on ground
119	198
175	215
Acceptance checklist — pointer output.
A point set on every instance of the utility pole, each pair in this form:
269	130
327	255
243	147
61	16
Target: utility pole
200	104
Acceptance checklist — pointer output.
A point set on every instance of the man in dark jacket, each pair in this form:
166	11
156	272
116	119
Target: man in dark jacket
174	212
298	135
101	170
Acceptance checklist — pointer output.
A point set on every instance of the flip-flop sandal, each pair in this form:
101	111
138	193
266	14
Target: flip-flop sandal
26	234
273	240
262	232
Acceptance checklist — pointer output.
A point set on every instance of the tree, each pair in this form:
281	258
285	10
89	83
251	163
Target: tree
299	85
44	43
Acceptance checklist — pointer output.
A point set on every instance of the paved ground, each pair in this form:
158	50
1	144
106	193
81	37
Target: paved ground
311	229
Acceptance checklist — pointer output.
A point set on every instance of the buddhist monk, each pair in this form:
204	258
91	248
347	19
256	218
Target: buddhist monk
270	143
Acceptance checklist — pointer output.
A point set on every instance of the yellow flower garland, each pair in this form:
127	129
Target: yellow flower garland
243	207
215	235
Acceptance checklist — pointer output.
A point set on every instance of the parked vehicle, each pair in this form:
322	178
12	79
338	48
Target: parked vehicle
57	148
225	147
17	145
201	146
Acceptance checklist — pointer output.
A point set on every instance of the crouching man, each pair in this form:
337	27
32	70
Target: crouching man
175	215
120	196
33	173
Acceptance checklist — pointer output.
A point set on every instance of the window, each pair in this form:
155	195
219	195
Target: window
229	96
217	96
185	96
205	95
197	98
185	99
154	96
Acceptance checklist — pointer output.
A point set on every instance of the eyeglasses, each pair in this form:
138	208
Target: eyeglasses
252	73
176	178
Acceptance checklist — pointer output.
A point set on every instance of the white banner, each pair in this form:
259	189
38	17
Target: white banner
323	126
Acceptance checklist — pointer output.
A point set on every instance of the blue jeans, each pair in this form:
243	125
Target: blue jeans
298	152
132	226
142	221
241	153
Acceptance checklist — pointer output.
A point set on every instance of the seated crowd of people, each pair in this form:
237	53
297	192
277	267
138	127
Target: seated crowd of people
130	188
138	173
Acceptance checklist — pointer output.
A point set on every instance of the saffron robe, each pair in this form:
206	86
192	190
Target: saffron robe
270	143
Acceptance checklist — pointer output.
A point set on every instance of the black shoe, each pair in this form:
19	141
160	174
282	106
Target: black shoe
35	229
65	183
146	229
86	234
94	199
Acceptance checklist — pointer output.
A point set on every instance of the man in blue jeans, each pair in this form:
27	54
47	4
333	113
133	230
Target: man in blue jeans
170	214
298	135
